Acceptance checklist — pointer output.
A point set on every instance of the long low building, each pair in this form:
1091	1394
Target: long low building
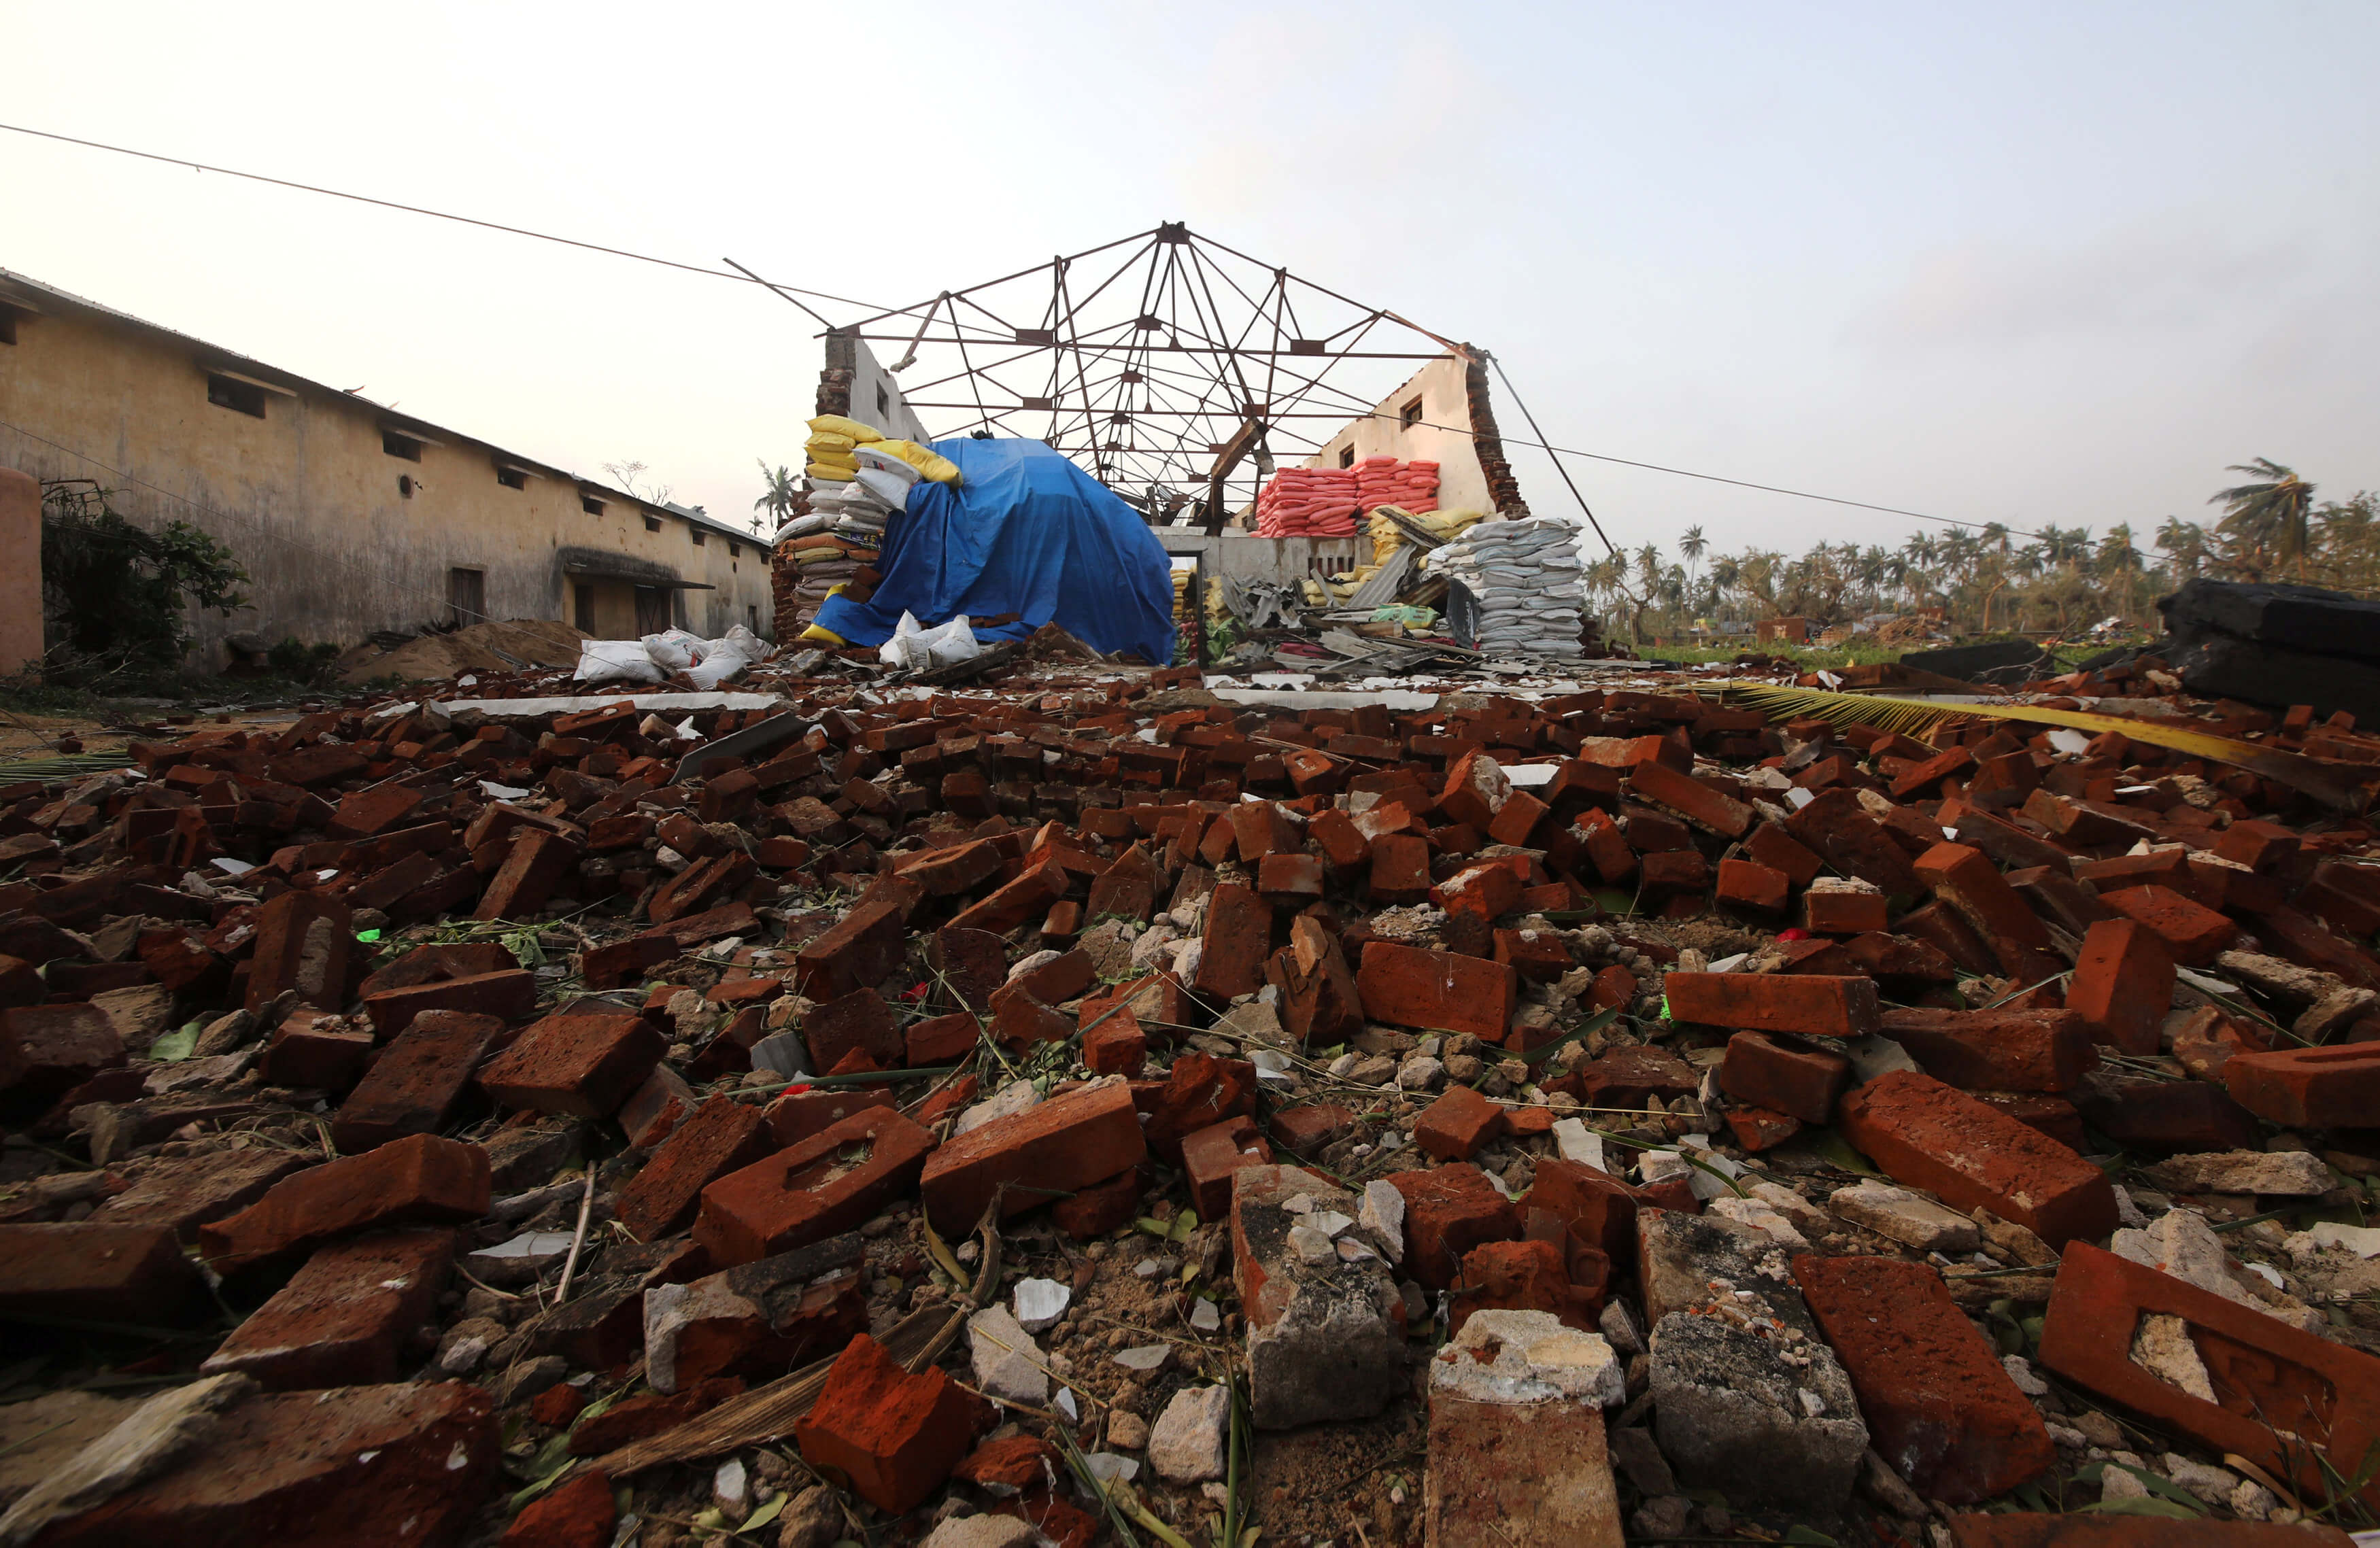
348	517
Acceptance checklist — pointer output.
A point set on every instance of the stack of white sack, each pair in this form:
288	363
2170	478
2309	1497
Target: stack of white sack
1525	577
706	663
917	648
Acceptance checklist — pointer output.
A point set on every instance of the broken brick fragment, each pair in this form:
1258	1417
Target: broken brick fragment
894	1435
344	1318
1449	1211
1066	1143
2192	932
828	1183
1525	1276
860	1021
716	1139
1407	985
1928	1135
2124	985
1212	1155
420	1180
1457	1124
1791	1078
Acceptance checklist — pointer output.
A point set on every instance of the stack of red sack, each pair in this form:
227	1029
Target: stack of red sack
1308	502
1386	481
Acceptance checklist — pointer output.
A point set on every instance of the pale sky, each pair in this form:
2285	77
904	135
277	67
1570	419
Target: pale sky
2029	263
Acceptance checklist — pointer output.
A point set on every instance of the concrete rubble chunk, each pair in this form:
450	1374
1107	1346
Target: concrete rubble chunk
1906	1218
1748	1399
1008	1365
1190	1440
1517	1444
1325	1338
151	1439
2288	1173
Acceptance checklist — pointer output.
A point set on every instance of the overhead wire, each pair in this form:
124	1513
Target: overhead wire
746	276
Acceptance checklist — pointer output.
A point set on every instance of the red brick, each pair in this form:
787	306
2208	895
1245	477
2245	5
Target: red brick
575	1066
1813	1004
2124	985
859	952
781	852
1457	1124
1842	911
1238	939
894	1435
1116	1046
716	1139
1691	799
757	1319
1919	778
344	1318
1773	847
421	1180
1126	889
94	1272
941	1040
1672	873
1967	880
47	1050
1539	956
1626	1076
2020	1529
415	1086
1319	1003
692	888
1996	1051
1759	1128
184	1193
1488	891
2318	1088
580	1513
533	868
1292	880
1768	1072
639	1419
1853	843
1613	988
2260	846
969	965
1260	829
832	1181
372	811
1019	1020
945	872
1212	1155
860	1020
1748	884
315	1052
750	990
1517	820
624	962
1928	1135
1533	1275
2193	933
395	1466
1064	1144
1475	790
1400	871
1311	1126
2270	1380
302	941
1101	1207
1449	1211
1026	898
798	1115
1939	1408
2168	1116
1409	987
508	995
655	1108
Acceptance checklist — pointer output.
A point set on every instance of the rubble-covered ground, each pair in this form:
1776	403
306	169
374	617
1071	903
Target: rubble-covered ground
1071	1102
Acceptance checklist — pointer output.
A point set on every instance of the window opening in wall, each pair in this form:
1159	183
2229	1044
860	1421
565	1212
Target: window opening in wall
404	486
241	396
735	550
583	598
589	504
1410	415
696	533
652	610
884	402
8	325
1346	456
512	477
466	596
397	445
652	524
752	617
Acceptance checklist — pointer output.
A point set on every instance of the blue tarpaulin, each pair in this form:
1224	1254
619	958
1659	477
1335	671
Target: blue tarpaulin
1027	532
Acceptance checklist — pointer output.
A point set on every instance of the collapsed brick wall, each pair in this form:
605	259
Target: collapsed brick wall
1503	488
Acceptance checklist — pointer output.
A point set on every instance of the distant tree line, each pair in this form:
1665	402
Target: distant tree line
1993	578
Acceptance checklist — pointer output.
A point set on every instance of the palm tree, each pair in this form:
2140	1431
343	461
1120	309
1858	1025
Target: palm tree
782	498
2185	542
2268	516
1693	546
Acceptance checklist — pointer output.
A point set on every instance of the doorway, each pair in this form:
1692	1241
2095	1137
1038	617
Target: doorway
652	610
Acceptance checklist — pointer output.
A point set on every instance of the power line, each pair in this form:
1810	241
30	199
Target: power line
745	278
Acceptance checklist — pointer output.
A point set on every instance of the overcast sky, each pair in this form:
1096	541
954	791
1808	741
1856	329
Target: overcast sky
2029	263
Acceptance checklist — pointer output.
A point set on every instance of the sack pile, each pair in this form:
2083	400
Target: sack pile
706	664
1525	576
1411	486
1307	502
1325	501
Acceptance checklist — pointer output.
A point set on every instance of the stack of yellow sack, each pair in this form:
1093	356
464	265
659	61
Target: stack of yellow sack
832	446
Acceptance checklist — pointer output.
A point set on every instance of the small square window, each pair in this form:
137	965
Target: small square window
8	325
697	534
589	504
1411	415
1346	456
735	550
244	397
512	477
397	445
884	402
652	524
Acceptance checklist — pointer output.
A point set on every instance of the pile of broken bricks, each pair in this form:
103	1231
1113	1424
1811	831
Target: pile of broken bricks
1095	1111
